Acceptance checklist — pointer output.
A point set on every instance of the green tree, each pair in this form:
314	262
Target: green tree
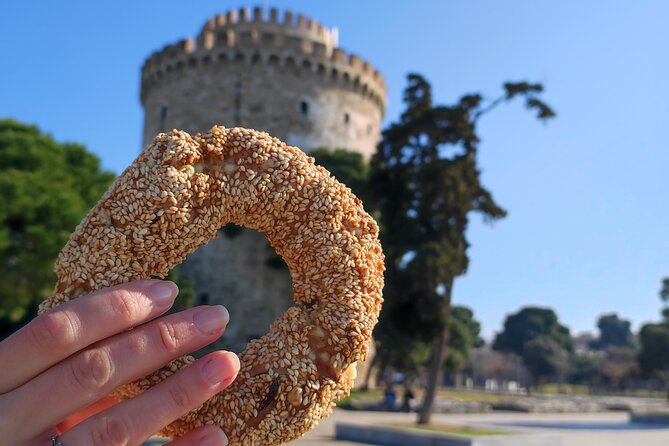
528	324
584	369
46	188
346	166
464	335
543	357
425	182
186	297
613	332
654	354
533	332
664	296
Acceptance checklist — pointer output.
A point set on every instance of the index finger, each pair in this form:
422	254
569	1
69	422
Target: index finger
66	329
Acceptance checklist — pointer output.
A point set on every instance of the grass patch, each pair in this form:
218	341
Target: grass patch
467	431
374	394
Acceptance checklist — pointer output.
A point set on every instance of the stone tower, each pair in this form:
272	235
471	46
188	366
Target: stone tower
286	77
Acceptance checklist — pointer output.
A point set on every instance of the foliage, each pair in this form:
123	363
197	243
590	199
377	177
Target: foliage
619	365
45	189
425	182
613	332
653	357
464	333
664	295
543	356
186	297
533	332
346	166
528	324
231	230
584	369
664	291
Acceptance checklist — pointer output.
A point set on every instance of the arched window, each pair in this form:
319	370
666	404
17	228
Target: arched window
304	107
347	118
162	118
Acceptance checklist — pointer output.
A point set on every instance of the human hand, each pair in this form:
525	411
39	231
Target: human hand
72	356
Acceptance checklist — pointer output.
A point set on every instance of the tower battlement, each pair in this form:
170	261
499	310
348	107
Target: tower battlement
295	43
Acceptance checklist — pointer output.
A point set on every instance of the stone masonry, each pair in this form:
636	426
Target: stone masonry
286	77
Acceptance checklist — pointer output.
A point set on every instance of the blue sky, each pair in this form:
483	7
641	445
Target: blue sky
588	224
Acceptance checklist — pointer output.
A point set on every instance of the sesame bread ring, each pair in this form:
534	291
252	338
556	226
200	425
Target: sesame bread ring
174	198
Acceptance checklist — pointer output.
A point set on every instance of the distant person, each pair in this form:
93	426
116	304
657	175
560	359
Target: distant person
408	400
58	370
390	396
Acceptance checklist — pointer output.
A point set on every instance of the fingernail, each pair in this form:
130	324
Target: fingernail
163	292
209	320
215	438
216	371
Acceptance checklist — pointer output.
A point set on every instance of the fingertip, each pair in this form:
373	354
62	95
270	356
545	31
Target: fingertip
163	292
213	437
220	368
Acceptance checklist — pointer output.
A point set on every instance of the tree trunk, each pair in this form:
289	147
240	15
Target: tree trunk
433	373
437	361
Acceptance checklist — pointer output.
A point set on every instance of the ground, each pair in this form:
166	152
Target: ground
606	429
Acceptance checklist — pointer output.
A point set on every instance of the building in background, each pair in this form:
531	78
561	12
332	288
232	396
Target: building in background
286	77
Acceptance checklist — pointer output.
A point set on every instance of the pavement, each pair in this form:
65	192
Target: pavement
576	429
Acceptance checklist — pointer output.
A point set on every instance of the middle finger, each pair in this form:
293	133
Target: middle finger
96	371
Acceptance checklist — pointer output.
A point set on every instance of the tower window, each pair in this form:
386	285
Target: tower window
347	118
163	118
304	108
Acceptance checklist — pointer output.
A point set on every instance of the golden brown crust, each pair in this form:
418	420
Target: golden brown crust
174	198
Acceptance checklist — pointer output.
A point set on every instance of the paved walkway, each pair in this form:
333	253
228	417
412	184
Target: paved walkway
589	429
593	429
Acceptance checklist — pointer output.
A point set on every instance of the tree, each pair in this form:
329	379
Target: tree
543	356
464	335
654	355
613	332
346	166
425	182
619	365
585	369
664	296
533	332
45	189
528	324
186	297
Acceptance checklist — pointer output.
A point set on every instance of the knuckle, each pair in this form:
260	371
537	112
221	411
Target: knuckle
125	306
137	345
55	328
180	396
169	337
92	369
110	431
